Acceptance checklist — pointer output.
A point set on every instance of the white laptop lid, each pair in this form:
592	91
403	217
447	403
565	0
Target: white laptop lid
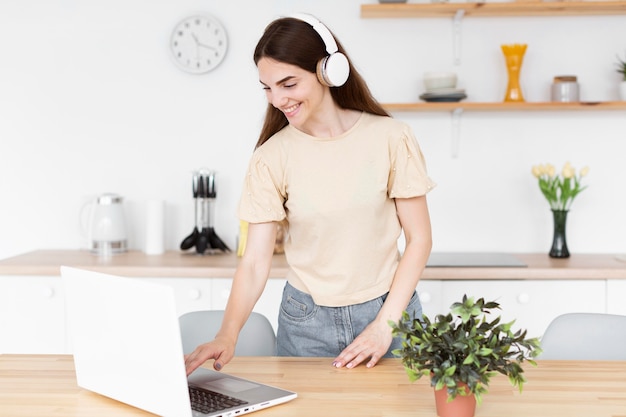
127	346
124	336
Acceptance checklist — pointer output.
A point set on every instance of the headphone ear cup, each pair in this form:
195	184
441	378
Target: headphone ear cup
319	71
333	70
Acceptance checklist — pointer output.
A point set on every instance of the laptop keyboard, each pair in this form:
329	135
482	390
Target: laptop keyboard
206	401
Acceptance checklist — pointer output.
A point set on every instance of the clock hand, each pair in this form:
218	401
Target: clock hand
195	39
207	46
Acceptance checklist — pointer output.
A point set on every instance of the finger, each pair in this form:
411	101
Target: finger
344	357
190	367
357	360
222	359
350	357
194	360
191	364
373	361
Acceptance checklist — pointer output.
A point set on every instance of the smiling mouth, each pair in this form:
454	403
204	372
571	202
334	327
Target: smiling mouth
288	110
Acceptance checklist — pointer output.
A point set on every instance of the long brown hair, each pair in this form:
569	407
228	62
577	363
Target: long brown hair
295	42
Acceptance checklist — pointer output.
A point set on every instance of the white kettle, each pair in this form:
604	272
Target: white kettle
106	226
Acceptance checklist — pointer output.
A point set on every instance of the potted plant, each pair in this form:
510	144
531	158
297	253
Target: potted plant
461	351
621	68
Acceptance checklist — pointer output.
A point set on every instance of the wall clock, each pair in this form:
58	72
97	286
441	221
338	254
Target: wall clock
199	43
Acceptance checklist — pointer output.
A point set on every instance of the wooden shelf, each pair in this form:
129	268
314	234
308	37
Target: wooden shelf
491	9
502	106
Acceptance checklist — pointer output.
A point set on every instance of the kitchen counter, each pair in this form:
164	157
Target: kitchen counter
531	288
536	266
133	264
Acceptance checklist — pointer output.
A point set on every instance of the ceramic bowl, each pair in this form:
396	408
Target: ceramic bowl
439	80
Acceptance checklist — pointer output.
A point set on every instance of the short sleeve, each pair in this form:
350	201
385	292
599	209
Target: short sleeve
262	198
408	177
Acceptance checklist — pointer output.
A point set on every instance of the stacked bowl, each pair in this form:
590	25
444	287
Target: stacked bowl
441	86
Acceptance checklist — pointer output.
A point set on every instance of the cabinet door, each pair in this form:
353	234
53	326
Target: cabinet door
532	304
431	297
32	315
192	294
615	296
268	304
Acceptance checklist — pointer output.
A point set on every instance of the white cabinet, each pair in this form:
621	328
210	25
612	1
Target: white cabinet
430	293
32	310
194	294
191	294
268	304
616	296
532	304
32	315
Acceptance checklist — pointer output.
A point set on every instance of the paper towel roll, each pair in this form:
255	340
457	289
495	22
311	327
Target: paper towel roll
155	227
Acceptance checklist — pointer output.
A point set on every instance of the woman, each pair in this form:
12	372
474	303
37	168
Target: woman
347	179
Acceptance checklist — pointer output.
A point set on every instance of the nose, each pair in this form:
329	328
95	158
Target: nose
277	99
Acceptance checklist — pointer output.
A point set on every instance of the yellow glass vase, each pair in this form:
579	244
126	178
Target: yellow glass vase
514	55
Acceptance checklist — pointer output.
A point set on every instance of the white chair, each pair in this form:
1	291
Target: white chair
585	336
257	338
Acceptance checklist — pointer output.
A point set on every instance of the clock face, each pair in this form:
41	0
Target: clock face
199	44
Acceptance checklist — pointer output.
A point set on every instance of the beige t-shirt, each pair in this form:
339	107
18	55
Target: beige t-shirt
337	195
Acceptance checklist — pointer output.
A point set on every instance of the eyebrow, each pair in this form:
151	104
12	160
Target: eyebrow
279	82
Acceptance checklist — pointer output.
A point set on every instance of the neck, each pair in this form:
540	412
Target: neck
333	122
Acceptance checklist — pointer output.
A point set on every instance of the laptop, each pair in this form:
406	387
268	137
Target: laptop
127	346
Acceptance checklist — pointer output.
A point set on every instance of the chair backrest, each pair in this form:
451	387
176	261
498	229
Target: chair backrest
257	338
585	336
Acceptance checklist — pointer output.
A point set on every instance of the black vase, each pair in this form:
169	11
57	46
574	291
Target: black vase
559	243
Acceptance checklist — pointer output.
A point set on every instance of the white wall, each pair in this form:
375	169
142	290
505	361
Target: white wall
90	102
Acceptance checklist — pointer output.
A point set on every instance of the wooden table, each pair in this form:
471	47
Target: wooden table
45	385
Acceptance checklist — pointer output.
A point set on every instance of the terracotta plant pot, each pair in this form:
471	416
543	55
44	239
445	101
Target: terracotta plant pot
461	406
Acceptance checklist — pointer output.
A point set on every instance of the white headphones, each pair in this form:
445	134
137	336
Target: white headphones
332	70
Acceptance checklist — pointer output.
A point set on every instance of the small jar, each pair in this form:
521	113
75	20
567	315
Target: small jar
565	89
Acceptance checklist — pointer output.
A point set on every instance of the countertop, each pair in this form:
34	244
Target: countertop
191	265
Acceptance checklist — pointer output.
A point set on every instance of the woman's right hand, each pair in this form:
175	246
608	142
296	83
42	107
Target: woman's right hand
220	350
248	284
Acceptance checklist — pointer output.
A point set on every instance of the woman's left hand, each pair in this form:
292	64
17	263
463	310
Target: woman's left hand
371	344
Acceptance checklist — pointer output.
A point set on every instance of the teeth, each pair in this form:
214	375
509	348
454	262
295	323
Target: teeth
290	109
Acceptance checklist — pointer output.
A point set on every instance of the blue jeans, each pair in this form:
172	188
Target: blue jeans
307	329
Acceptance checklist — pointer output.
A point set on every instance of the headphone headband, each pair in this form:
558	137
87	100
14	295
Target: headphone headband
334	69
321	29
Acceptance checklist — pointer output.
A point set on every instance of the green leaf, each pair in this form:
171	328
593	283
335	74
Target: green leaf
470	359
450	371
485	351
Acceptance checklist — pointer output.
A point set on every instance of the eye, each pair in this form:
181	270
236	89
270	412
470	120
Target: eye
290	85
